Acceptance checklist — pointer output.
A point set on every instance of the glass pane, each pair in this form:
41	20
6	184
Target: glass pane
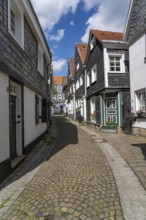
112	58
117	68
112	69
117	63
111	63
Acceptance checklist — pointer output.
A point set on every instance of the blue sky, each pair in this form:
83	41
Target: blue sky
68	22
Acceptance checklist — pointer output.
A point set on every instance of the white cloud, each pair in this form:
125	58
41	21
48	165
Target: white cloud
49	12
72	23
58	37
88	4
58	65
111	16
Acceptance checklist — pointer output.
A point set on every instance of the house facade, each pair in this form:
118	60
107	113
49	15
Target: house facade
135	36
58	95
108	96
25	60
71	89
80	80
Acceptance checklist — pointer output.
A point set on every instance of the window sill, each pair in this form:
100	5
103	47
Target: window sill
14	37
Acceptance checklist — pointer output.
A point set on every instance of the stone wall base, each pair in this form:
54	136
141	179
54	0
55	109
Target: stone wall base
139	131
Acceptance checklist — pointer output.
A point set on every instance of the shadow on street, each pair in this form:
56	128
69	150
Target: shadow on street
142	146
65	134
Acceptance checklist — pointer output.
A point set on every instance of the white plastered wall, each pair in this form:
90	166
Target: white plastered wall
137	74
31	129
4	117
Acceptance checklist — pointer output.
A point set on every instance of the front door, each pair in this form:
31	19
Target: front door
13	152
111	111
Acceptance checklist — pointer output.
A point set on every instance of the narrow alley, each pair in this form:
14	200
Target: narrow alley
71	180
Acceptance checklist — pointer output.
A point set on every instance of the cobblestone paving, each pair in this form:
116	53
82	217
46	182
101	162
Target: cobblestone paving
76	183
132	149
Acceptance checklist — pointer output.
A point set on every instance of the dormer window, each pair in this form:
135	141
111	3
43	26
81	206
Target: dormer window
92	43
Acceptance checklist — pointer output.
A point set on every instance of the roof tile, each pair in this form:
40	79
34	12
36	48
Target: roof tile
107	35
82	49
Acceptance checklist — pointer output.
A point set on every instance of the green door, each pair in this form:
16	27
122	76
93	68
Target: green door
111	112
13	152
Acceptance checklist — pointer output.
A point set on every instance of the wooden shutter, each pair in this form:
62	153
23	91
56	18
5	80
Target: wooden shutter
44	110
36	109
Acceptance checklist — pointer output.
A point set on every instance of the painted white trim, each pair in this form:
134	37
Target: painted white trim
105	55
119	109
19	9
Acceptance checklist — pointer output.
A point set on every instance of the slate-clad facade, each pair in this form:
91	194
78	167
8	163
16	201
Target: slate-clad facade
70	90
135	36
79	79
25	60
107	79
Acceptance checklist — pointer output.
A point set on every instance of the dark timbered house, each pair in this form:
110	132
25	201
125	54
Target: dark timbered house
25	60
108	97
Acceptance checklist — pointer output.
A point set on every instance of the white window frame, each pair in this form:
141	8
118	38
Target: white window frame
121	62
81	80
88	79
18	33
59	88
93	108
77	66
92	43
140	100
94	73
59	98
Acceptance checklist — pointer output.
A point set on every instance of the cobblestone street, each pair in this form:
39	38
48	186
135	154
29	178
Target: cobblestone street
72	180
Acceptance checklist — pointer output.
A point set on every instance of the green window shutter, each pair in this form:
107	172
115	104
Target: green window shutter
44	110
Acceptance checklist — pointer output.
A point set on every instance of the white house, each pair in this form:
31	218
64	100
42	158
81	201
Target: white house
135	36
25	60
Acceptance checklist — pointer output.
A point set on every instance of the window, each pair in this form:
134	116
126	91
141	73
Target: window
59	88
93	111
77	84
141	100
81	80
77	66
115	64
15	22
12	21
40	60
92	43
94	73
59	98
88	79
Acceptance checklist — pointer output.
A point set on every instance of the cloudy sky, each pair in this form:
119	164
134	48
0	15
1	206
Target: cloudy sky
66	22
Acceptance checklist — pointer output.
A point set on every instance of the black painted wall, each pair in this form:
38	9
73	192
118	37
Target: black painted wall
96	56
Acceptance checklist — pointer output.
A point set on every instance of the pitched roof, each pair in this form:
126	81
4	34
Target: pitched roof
82	49
107	35
58	80
71	66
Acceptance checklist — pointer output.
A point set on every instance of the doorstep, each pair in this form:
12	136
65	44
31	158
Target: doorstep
109	130
16	161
